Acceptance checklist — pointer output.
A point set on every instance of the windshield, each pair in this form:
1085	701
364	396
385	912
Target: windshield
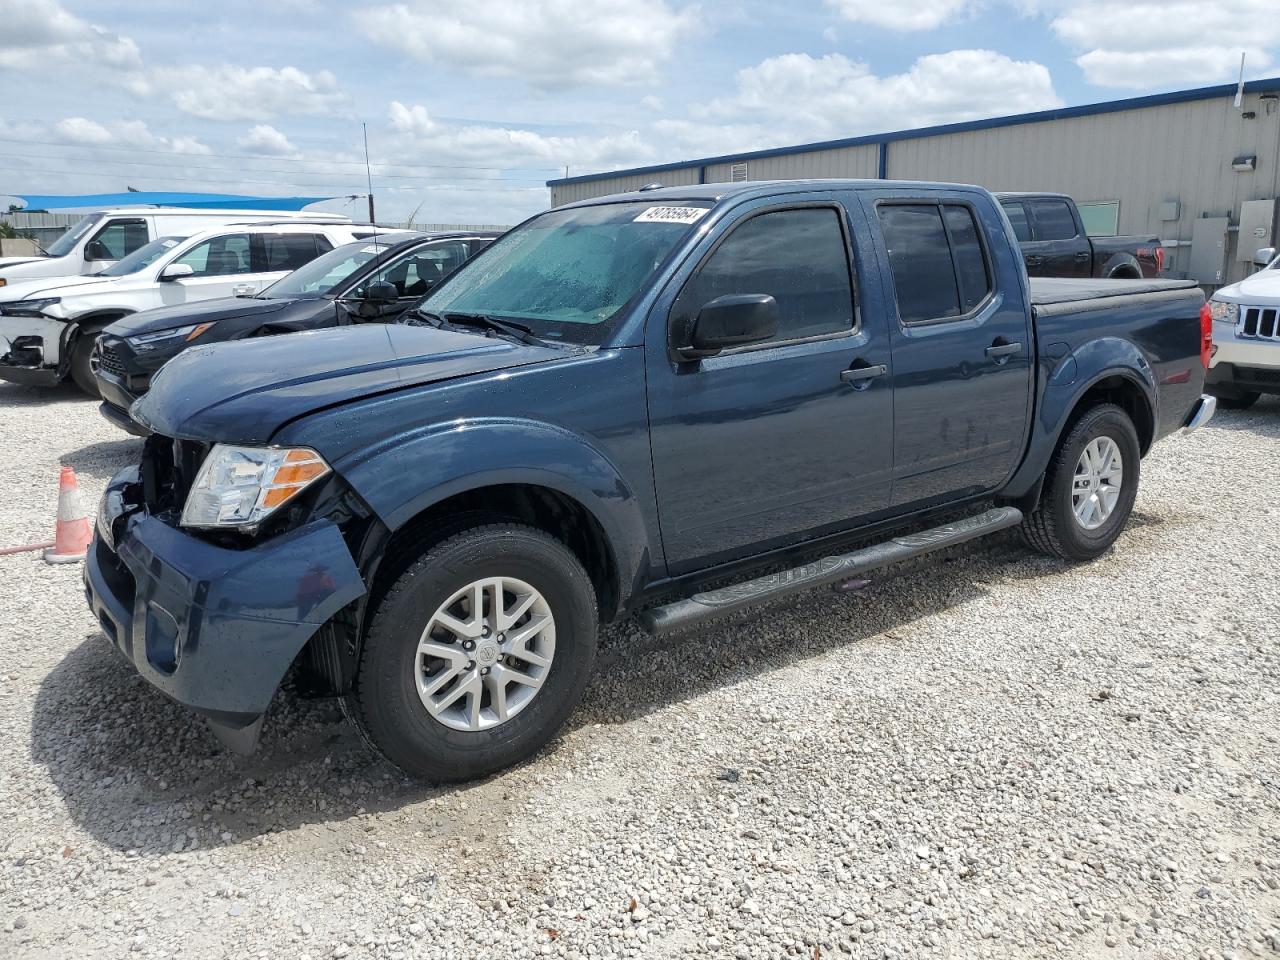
67	242
324	273
142	257
568	274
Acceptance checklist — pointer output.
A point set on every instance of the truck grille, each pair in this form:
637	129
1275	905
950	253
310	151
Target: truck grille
109	361
1262	323
168	471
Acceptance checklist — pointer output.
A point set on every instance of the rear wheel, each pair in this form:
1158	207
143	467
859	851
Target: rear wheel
82	363
1090	487
477	654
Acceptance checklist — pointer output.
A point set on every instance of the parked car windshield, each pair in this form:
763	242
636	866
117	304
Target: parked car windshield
325	272
144	256
568	274
67	242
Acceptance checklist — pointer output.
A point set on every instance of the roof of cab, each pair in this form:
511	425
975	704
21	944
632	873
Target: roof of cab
761	188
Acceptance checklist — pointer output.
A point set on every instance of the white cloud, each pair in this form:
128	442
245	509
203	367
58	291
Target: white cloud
267	140
797	97
82	131
552	44
417	138
1144	44
43	35
915	15
229	92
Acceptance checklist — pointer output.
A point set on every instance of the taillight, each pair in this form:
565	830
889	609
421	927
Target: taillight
1159	260
1206	335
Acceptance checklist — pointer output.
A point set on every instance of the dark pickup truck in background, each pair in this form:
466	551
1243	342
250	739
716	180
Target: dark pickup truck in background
1054	243
621	406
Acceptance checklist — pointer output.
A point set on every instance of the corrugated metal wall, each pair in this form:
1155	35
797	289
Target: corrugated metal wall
1141	158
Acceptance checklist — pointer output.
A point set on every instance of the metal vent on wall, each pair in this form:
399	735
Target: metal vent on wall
737	172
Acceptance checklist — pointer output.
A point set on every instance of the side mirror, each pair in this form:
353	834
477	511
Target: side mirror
96	250
176	271
730	321
1264	256
380	293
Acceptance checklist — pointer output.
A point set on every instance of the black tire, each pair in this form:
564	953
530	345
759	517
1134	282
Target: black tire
1052	527
384	702
1237	399
82	366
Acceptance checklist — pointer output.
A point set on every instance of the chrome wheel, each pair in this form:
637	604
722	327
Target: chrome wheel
1096	487
485	653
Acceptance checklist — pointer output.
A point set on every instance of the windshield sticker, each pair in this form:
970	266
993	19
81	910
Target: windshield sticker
672	215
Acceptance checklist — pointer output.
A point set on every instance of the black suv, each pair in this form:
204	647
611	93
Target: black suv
373	280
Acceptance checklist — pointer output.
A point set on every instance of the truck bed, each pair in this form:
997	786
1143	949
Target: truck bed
1046	291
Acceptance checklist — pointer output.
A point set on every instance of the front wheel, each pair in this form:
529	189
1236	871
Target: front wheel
477	654
82	364
1090	487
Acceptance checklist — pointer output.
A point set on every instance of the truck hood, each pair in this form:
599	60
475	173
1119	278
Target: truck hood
1263	289
14	261
23	288
243	391
183	315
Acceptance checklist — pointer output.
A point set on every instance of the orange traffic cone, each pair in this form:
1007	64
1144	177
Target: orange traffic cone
73	532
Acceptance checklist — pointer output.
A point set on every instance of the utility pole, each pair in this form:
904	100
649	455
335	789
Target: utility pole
368	171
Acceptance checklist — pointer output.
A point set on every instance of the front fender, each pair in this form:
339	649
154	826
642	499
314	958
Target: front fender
1066	379
406	475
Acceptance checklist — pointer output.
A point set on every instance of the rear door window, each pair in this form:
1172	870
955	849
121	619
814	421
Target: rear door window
288	251
219	256
1017	215
798	257
937	258
1053	220
966	249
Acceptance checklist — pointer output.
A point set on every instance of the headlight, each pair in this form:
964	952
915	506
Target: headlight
149	341
242	486
28	308
1220	310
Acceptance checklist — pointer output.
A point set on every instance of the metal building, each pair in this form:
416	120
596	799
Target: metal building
1189	167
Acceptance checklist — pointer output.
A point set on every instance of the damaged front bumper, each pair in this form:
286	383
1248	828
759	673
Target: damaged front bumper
30	348
213	628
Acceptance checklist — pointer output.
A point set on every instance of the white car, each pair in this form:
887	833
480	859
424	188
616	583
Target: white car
48	327
1246	336
104	237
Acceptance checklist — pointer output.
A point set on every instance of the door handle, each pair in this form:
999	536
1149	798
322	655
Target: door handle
1034	260
863	375
242	288
1083	256
1001	351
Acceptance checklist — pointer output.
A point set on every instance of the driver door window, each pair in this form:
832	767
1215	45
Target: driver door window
798	257
117	240
416	273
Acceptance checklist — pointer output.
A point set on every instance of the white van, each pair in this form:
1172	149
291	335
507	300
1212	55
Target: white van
48	326
100	239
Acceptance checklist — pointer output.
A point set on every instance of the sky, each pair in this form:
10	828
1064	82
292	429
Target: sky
472	106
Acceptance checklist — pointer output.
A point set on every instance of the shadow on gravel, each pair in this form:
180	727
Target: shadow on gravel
106	458
139	772
1262	418
12	395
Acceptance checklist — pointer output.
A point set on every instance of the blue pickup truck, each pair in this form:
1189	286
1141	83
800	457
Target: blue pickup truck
674	403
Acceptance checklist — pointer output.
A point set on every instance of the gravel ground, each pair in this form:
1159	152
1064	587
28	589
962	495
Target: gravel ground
988	755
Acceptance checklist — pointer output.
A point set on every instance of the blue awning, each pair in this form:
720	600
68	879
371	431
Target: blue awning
212	201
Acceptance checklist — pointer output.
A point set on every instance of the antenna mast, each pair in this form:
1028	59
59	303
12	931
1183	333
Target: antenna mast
368	172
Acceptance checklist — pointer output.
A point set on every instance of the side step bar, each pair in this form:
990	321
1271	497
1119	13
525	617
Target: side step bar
703	607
